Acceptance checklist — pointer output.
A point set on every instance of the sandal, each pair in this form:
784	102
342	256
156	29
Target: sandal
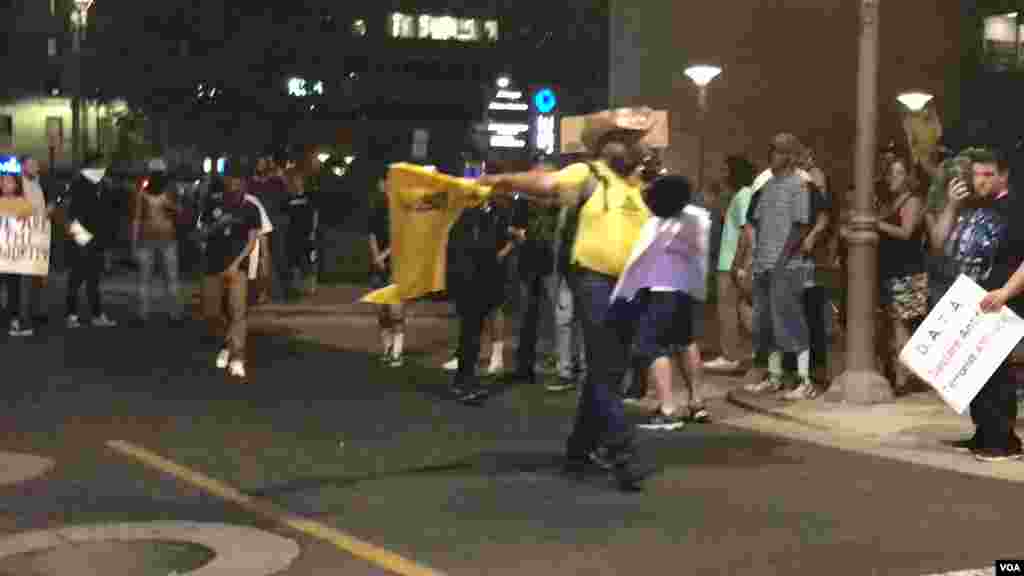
699	414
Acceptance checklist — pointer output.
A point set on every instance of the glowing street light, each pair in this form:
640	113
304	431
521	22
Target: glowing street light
915	101
702	75
323	157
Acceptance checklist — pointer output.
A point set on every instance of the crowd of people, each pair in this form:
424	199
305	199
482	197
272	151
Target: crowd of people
256	228
780	254
576	246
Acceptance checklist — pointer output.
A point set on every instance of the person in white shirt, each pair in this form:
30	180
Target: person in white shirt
34	287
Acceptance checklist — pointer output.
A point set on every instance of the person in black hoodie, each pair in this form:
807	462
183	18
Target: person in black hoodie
91	229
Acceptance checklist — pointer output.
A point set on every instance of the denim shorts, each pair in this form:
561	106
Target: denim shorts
663	320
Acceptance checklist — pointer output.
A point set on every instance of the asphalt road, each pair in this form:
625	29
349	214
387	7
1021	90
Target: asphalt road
383	455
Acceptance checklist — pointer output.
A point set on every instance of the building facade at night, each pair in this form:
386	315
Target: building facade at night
787	66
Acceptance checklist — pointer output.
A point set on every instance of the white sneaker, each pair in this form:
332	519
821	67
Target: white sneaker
222	359
805	391
451	365
236	369
495	367
721	364
17	330
102	321
72	321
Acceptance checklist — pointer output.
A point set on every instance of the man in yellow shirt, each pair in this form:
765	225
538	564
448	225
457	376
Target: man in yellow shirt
611	214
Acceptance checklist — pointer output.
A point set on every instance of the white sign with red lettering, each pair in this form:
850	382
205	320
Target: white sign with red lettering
958	347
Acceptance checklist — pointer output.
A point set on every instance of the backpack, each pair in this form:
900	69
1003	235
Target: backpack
569	223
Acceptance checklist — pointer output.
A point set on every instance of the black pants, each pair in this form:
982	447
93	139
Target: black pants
472	313
994	412
12	284
814	309
526	353
281	275
600	417
300	247
86	268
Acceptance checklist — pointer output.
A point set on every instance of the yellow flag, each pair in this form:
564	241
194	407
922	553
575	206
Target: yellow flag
422	205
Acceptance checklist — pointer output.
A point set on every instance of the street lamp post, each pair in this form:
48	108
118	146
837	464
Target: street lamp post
702	76
79	21
861	383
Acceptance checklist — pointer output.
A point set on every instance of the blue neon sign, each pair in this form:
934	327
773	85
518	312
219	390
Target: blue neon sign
10	165
545	100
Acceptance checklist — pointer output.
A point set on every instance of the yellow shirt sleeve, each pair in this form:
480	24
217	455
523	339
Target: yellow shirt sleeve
569	182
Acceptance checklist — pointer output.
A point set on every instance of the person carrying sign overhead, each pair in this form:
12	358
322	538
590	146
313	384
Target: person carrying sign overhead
610	213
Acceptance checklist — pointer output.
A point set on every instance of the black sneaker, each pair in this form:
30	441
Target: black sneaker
472	397
630	477
562	385
997	454
965	444
661	421
592	462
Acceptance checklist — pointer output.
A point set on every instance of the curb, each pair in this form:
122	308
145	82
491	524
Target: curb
736	399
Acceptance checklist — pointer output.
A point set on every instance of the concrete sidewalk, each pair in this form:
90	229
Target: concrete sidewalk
916	428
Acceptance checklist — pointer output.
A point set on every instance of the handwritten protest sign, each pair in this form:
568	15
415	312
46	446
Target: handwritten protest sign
958	347
25	245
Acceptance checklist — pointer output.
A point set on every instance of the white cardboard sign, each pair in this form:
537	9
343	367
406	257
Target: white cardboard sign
25	245
958	347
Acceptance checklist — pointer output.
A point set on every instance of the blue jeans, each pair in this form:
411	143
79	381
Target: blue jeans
600	418
146	255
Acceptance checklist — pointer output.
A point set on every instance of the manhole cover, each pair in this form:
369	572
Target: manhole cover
144	558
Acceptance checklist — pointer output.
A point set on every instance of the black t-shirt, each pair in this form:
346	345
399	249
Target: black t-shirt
300	215
985	246
380	226
227	233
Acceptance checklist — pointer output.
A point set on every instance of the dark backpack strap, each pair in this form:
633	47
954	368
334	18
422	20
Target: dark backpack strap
571	225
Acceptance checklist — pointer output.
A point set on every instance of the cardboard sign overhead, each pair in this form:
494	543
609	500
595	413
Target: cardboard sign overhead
580	133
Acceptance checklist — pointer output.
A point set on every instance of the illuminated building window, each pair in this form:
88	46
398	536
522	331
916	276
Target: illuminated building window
468	31
51	46
491	30
444	28
1002	36
359	28
402	26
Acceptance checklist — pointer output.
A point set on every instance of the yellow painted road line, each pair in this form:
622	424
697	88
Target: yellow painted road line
359	548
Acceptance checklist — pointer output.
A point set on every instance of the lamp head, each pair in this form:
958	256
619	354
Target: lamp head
702	75
915	101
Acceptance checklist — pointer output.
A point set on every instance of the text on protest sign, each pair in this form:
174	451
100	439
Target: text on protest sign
25	245
958	347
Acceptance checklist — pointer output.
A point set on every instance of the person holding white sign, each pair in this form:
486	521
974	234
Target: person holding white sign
975	236
91	227
10	187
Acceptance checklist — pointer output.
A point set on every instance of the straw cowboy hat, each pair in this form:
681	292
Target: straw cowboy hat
640	120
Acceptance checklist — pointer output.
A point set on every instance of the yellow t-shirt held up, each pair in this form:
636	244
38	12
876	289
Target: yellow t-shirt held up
610	221
422	206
